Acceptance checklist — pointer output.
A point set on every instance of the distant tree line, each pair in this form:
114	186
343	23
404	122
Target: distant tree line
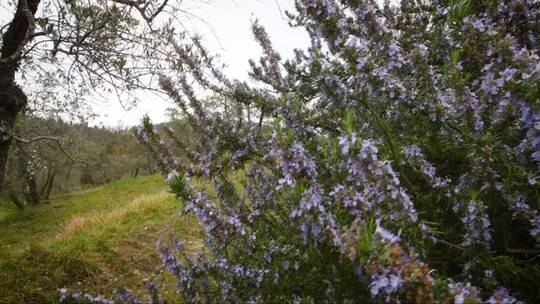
60	157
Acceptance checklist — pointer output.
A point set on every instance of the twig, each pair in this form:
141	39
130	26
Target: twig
452	245
525	252
142	7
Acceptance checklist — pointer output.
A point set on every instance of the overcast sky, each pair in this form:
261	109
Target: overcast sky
226	31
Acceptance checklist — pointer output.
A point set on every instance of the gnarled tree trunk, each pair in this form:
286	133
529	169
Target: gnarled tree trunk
12	98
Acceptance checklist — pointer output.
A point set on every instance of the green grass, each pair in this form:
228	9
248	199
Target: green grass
94	241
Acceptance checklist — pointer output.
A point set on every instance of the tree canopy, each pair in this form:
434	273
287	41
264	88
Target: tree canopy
55	53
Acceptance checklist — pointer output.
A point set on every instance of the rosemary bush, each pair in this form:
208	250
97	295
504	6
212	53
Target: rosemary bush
394	160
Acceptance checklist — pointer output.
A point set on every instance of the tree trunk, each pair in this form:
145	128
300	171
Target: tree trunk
12	101
45	183
15	199
30	190
12	98
135	172
49	187
149	167
67	176
33	193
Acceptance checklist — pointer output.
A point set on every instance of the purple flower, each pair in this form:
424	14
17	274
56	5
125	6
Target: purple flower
508	73
385	234
477	224
502	296
385	282
171	176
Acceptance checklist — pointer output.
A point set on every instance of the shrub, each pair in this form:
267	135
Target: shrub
395	160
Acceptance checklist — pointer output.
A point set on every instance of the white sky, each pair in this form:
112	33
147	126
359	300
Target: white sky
226	31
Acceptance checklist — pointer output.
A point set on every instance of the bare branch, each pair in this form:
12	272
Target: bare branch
142	7
49	138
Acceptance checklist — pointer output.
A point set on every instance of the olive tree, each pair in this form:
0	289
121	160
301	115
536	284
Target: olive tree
53	53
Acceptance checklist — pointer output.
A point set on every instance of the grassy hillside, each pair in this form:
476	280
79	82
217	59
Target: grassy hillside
95	240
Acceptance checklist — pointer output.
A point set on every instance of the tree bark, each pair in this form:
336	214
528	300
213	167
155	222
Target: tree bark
30	189
50	183
45	183
33	194
15	199
12	98
135	172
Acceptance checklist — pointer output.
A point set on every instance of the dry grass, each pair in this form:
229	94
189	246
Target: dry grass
95	220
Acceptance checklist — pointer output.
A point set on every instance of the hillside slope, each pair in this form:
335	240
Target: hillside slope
95	241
